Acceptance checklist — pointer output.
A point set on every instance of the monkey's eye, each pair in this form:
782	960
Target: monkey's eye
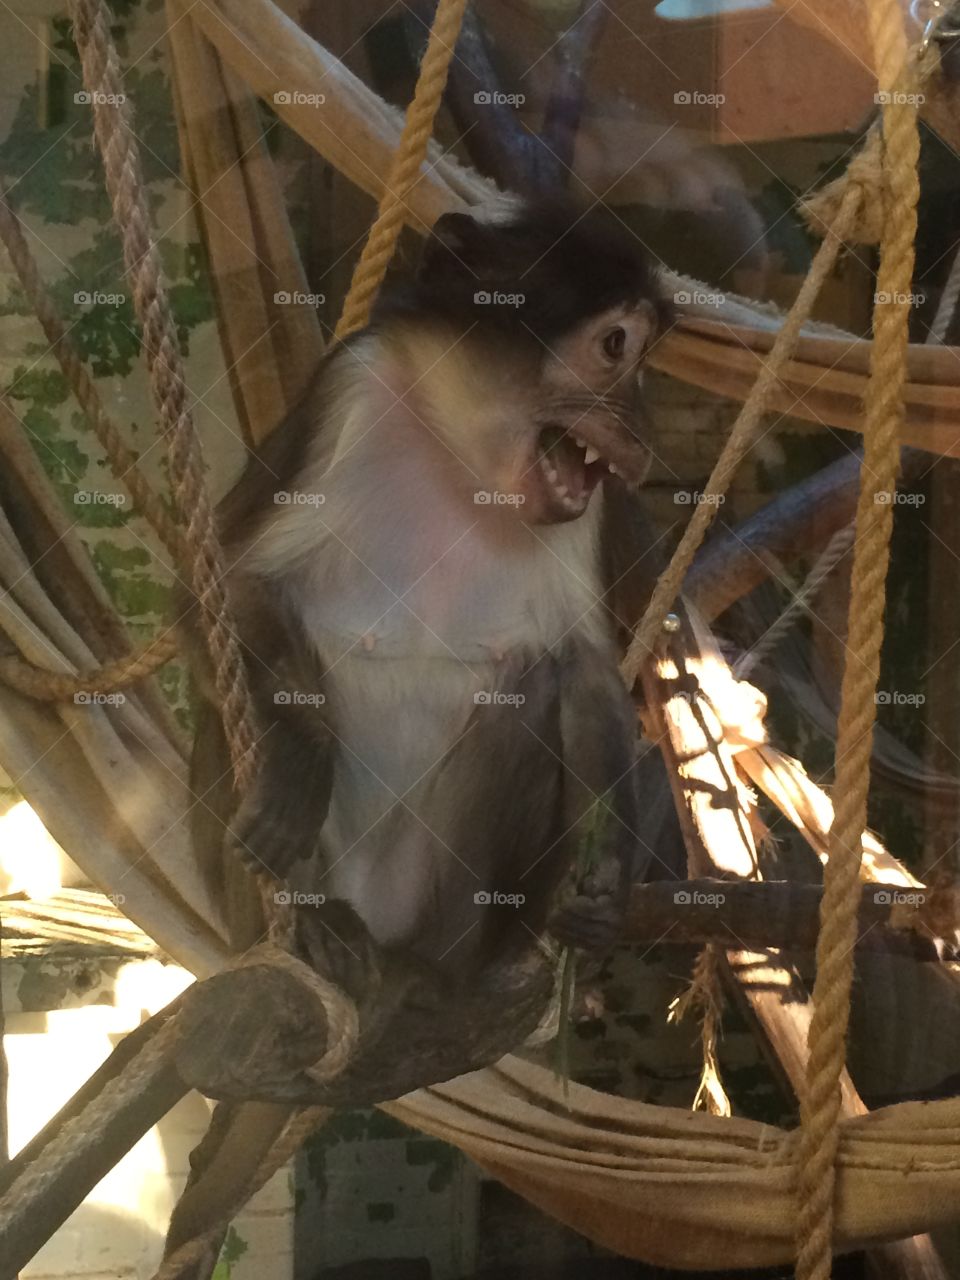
614	344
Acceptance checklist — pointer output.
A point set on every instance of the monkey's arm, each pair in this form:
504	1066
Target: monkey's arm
279	820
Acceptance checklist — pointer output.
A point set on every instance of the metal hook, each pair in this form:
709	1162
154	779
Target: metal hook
941	21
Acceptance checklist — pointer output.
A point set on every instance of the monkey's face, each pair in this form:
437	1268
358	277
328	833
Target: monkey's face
588	423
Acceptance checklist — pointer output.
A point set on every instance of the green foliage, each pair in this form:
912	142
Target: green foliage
234	1247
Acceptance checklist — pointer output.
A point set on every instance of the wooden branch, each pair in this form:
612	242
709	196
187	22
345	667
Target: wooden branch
31	1208
778	913
698	754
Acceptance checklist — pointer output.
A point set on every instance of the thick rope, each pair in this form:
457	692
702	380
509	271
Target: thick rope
55	686
405	169
743	433
821	1101
194	513
288	1142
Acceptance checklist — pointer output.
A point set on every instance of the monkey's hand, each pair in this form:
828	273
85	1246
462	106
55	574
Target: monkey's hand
592	918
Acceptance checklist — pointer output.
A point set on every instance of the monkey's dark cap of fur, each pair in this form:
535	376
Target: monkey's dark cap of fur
543	270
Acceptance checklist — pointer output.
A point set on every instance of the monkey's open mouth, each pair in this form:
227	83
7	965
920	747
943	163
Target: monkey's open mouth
572	460
570	468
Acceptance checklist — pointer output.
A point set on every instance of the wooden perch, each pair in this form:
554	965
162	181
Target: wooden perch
700	714
777	913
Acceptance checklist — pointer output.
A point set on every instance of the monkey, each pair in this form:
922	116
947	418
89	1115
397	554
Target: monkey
433	564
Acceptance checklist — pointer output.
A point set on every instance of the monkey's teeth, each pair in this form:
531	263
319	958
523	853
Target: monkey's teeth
612	469
581	444
591	455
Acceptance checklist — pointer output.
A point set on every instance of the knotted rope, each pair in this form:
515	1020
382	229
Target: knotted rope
405	169
194	513
899	79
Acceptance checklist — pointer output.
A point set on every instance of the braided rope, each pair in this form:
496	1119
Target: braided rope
203	560
405	169
743	432
54	686
821	1101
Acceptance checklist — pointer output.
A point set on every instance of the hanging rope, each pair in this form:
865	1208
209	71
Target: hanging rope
405	169
742	434
203	561
899	76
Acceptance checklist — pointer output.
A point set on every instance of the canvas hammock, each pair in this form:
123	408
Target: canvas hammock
673	1187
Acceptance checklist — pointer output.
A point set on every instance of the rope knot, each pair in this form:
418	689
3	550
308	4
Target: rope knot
865	171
